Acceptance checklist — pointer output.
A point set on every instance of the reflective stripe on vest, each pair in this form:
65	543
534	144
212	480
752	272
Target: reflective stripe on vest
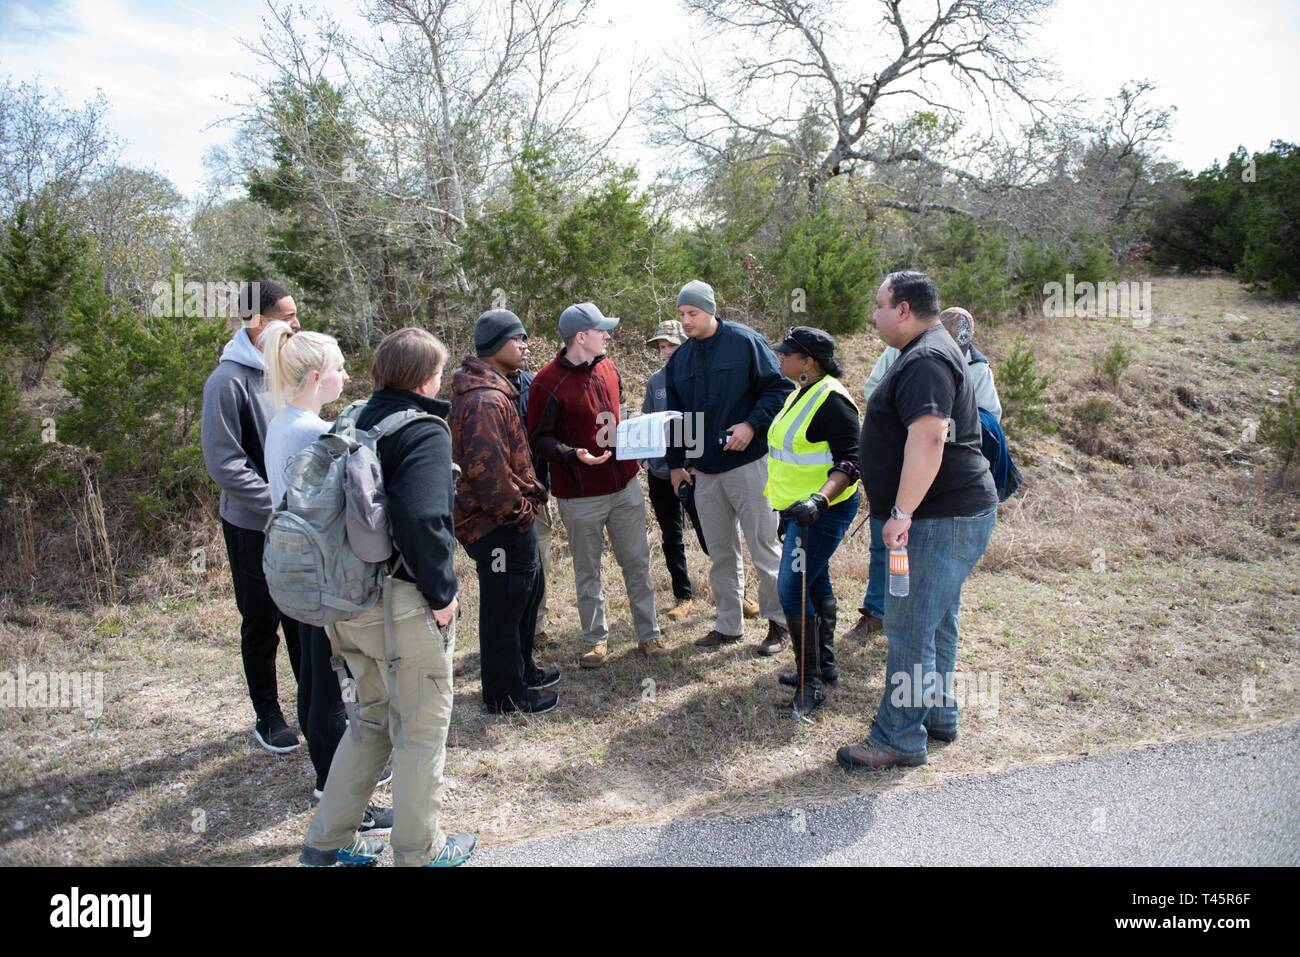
796	467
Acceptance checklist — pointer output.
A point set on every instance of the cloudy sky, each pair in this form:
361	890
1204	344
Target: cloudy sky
170	69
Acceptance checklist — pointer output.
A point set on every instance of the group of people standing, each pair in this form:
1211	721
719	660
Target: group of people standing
773	452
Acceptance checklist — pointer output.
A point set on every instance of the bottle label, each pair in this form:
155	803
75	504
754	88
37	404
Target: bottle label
898	563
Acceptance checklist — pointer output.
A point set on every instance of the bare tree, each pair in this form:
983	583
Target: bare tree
47	149
440	98
792	56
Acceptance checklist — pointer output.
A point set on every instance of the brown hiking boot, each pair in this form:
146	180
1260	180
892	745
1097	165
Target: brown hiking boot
716	638
683	608
853	756
595	657
863	628
749	607
652	648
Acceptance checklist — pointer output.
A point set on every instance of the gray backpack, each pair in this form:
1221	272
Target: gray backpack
328	544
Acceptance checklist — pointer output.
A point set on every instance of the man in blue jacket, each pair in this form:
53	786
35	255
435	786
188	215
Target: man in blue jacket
727	382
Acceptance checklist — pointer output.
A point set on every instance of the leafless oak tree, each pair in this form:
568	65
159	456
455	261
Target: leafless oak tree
792	59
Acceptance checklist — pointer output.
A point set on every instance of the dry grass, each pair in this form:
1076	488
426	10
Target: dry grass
1141	587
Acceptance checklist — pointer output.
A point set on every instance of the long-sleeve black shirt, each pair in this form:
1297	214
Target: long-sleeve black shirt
729	378
418	491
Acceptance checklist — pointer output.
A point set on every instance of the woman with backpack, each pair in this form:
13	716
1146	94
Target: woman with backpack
399	652
305	372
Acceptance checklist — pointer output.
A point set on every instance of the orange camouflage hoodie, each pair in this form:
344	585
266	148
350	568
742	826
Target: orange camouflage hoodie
498	486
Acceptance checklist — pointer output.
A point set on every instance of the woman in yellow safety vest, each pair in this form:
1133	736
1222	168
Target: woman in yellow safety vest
812	476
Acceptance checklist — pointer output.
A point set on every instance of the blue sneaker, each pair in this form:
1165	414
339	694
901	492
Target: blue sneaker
360	853
458	849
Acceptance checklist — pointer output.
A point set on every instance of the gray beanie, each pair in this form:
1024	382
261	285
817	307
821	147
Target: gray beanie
492	329
698	294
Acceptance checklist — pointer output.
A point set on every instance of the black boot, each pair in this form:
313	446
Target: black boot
825	632
808	696
826	617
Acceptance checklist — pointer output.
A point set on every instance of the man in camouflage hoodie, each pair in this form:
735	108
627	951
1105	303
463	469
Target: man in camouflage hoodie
498	500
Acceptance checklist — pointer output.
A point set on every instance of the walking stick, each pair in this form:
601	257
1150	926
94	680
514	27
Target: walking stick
803	624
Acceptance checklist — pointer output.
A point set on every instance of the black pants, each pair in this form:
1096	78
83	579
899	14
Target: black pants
668	513
258	638
510	588
321	714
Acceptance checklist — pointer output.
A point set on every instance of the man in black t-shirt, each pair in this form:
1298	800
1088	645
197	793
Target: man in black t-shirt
923	467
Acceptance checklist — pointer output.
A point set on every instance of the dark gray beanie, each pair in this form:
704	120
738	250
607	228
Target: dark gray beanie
698	294
492	329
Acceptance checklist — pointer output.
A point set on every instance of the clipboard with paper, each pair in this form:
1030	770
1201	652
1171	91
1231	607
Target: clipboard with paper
644	437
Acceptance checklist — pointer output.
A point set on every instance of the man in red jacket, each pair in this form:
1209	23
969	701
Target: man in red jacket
574	406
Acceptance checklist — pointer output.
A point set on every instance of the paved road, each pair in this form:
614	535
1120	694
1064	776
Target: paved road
1231	800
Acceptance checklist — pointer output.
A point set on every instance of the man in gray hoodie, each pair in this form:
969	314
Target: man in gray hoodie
235	414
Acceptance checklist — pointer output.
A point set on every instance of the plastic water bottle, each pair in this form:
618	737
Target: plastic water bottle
898	576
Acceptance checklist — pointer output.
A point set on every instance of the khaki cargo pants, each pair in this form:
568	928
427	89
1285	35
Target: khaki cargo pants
403	713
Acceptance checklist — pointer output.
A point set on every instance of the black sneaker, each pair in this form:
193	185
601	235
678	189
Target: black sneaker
536	702
377	820
540	678
385	776
275	735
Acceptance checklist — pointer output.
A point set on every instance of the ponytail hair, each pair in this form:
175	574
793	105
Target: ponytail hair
291	357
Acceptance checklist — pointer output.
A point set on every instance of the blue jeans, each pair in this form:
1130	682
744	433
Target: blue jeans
823	537
873	602
922	632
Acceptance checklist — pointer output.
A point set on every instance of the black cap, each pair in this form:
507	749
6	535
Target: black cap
493	328
816	343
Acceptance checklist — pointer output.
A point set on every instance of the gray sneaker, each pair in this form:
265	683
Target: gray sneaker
458	849
360	853
377	820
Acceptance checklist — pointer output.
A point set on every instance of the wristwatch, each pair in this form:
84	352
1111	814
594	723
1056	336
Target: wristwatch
896	512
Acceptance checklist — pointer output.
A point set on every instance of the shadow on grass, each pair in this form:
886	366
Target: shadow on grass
233	790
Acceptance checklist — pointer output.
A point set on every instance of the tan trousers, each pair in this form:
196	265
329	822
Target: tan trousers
730	503
543	527
402	713
586	521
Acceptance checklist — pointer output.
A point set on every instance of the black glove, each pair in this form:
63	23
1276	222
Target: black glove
808	511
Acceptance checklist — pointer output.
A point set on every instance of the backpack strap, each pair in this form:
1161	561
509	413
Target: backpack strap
392	424
348	417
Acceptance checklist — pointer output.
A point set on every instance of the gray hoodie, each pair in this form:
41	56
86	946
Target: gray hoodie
233	432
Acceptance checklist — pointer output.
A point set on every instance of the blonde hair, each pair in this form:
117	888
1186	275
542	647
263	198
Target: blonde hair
292	356
407	359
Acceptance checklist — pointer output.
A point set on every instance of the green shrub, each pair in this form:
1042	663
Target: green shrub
1279	428
1087	258
20	437
1096	411
970	265
837	267
1021	390
1111	366
138	381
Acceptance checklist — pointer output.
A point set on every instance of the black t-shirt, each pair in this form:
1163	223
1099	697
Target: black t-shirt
928	378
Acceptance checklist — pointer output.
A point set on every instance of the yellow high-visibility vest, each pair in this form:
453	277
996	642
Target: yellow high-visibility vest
796	467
